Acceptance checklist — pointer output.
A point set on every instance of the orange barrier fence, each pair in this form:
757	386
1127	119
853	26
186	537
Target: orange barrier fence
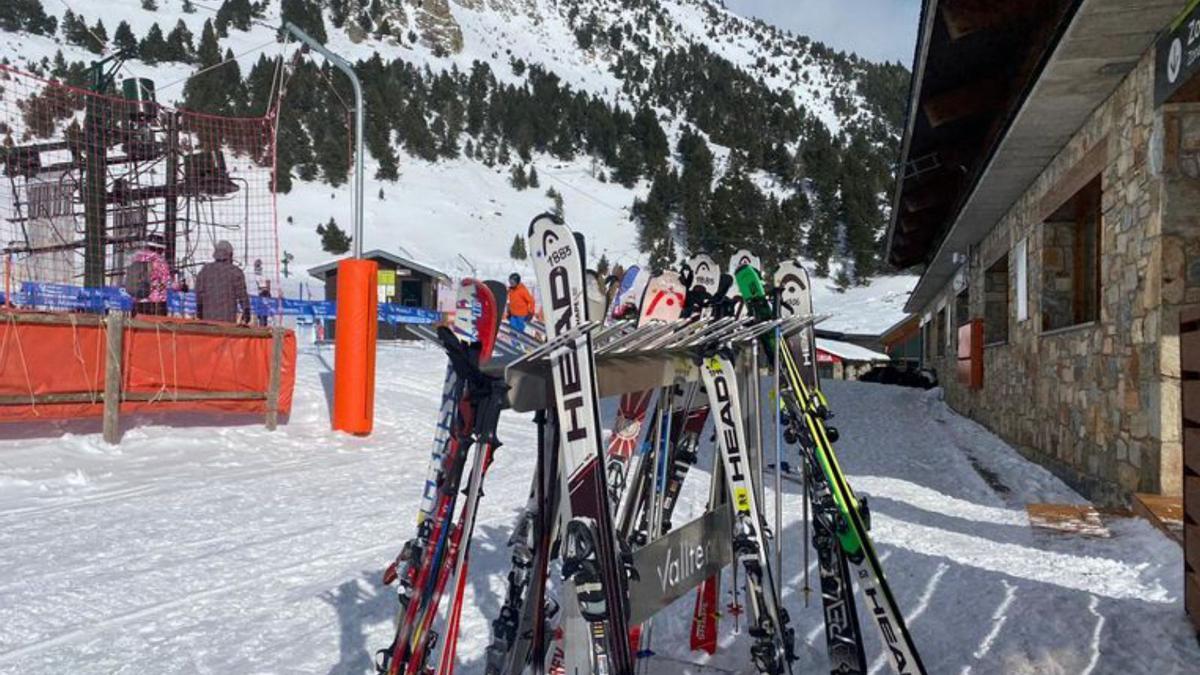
57	366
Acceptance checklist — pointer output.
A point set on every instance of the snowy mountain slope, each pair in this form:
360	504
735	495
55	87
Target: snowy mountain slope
443	212
235	550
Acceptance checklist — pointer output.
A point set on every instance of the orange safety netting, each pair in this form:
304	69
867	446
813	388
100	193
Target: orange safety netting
160	361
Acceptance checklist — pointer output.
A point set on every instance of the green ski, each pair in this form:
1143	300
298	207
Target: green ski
808	411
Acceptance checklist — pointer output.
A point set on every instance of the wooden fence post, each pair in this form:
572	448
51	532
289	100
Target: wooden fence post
275	377
114	346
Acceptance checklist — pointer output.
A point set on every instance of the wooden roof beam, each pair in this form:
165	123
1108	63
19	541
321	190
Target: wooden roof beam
964	17
969	99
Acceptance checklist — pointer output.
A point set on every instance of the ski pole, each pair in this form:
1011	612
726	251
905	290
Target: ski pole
778	470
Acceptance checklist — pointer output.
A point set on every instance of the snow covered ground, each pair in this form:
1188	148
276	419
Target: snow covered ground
228	549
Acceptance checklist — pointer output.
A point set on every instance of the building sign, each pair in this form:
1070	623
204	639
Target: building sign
826	357
387	285
1178	54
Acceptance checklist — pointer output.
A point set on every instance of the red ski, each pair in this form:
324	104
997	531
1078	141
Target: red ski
704	617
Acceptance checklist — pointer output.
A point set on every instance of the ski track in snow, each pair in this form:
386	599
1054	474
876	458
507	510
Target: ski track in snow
193	547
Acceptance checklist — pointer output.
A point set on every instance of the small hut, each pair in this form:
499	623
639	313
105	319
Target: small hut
839	360
402	282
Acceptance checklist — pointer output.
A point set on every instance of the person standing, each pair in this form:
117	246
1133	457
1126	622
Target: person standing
221	288
520	303
147	278
263	286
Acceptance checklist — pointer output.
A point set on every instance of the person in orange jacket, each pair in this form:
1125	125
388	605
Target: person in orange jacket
520	303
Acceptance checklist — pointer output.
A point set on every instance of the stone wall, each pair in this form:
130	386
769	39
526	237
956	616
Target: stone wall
1095	403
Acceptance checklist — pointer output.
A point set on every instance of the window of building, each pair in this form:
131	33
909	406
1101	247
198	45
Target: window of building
1071	261
941	332
995	302
962	308
1021	274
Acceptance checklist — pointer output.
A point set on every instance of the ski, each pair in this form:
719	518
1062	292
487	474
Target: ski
596	573
847	515
843	634
489	395
423	580
518	633
734	296
773	647
476	318
662	302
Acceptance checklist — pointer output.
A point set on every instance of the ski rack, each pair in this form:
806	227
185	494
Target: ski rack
633	359
628	358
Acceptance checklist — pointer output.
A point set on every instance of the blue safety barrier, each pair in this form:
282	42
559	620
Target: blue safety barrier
64	297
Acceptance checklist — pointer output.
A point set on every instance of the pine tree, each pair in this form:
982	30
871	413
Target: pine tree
75	31
179	44
629	163
97	38
59	69
188	7
124	40
738	209
503	156
859	211
259	86
27	15
150	5
339	11
557	199
205	91
153	47
235	13
842	280
230	74
653	218
651	139
517	250
306	15
602	265
695	189
333	238
533	178
517	177
331	148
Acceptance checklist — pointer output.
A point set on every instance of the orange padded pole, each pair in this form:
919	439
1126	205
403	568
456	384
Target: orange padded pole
354	358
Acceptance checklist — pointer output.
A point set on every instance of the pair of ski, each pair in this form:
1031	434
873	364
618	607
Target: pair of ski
437	556
594	569
840	519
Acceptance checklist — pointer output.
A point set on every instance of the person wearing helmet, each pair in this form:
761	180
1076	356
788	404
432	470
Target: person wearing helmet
520	303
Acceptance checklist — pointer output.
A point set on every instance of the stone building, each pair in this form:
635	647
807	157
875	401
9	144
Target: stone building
1051	191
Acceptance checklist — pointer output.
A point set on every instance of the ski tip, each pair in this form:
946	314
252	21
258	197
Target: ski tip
533	224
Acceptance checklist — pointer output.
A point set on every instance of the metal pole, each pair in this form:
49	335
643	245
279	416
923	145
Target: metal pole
778	576
342	65
171	203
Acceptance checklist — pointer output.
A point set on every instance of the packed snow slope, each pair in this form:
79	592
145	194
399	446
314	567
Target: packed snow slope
198	547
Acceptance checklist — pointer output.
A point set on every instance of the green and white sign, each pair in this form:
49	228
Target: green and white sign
1178	54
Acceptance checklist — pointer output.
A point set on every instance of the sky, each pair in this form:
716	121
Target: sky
877	30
